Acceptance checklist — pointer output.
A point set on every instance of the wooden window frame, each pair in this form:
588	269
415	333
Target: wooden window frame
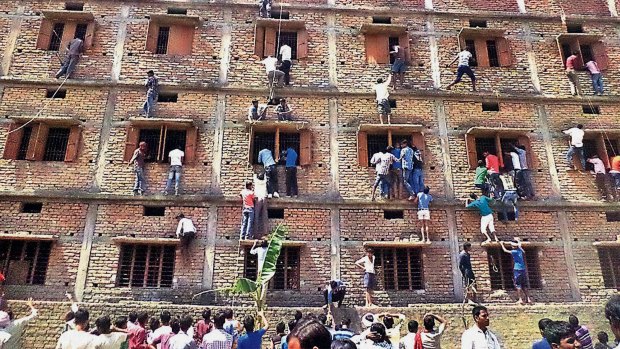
40	260
128	281
522	138
575	41
181	37
291	274
362	142
600	139
480	36
191	141
305	142
609	260
71	19
505	268
38	139
266	37
382	275
377	42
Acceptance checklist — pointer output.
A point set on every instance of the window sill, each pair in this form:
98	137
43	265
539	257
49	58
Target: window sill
28	237
492	131
387	29
285	243
146	241
271	125
381	244
469	32
615	243
69	15
507	244
56	121
180	20
143	121
395	128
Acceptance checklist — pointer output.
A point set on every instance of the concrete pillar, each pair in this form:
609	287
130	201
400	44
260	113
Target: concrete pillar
11	41
531	58
119	48
521	5
432	41
104	140
87	242
218	139
335	243
546	134
428	4
332	50
334	147
571	268
225	46
209	260
613	10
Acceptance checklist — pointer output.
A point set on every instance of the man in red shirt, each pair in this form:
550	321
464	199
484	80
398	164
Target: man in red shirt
571	62
492	163
615	170
138	333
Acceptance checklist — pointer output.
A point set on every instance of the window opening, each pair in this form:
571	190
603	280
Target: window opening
611	145
74	6
25	262
473	23
263	140
574	28
613	216
275	213
146	266
393	214
52	93
485	144
287	268
381	20
492	52
32	207
154	211
290	39
400	268
586	53
589	149
376	143
280	15
56	36
177	11
490	106
472	49
175	139
591	109
80	31
24	142
152	138
609	258
56	144
290	140
162	40
167	97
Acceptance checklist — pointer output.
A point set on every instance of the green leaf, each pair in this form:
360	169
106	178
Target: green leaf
273	252
244	286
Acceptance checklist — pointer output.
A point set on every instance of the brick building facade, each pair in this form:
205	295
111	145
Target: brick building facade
69	222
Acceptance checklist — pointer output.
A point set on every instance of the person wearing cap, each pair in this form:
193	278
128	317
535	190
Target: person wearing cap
257	111
152	90
186	230
11	330
367	320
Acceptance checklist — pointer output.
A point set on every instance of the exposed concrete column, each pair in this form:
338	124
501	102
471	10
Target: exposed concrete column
218	139
87	242
225	46
546	133
432	41
332	49
571	268
335	243
521	5
428	4
334	147
531	58
11	41
613	10
209	261
104	140
119	48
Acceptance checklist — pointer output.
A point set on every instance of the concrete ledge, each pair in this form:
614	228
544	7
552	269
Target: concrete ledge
28	237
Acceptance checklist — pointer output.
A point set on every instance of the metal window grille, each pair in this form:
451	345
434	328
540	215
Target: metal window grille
472	49
152	137
290	140
392	41
146	266
397	139
25	262
589	149
609	258
288	38
175	139
287	269
24	142
80	30
376	143
56	36
162	40
263	140
502	279
56	144
492	52
485	144
400	268
586	53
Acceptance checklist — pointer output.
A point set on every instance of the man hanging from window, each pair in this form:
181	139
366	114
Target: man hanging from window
186	231
396	174
382	97
291	171
509	196
399	66
523	177
463	68
72	56
138	167
284	111
571	73
407	162
285	66
596	76
603	181
520	275
382	160
275	76
423	199
176	165
152	90
265	8
265	157
576	146
486	214
247	212
492	164
260	205
257	111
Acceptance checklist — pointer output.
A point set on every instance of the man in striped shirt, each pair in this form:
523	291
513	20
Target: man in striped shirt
383	161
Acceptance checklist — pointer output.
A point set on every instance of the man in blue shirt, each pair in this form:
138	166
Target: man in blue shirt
265	157
542	343
423	200
406	158
486	214
253	339
519	272
291	172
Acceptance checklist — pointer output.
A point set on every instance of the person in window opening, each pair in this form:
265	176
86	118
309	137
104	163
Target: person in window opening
383	161
571	73
467	272
284	111
265	157
72	56
247	213
176	165
576	146
596	76
615	171
382	97
367	263
523	177
334	292
561	335
285	66
137	160
253	339
152	90
264	8
519	271
463	68
486	214
492	164
407	162
423	199
257	111
399	66
417	175
509	196
512	165
479	336
186	231
612	314
275	76
396	174
603	181
581	332
290	156
480	178
12	329
260	205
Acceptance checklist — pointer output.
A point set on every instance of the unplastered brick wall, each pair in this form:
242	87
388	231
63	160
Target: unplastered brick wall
409	4
474	5
189	105
533	225
85	106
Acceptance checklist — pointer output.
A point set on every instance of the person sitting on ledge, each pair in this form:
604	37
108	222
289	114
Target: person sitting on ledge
284	111
257	111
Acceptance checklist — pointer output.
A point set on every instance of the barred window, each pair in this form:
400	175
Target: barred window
501	268
399	268
376	143
56	37
25	262
287	268
290	39
171	140
24	142
56	144
162	40
609	258
267	140
146	265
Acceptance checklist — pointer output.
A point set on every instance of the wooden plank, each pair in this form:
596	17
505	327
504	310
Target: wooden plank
73	144
362	149
13	141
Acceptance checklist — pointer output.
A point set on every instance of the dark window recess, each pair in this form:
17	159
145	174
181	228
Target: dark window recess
165	97
397	139
510	215
151	137
392	103
24	142
574	28
287	268
506	145
162	40
490	106
609	258
501	269
473	23
381	20
52	93
74	6
392	41
290	140
175	139
263	140
154	211
177	11
32	207
280	15
586	53
485	144
591	109
56	144
471	44
275	213
290	39
80	31
146	266
399	268
24	262
376	143
56	37
613	216
589	149
393	214
492	52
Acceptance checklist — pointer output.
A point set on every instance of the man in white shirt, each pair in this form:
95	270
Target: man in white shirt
186	230
285	57
382	98
408	341
78	338
260	205
182	340
576	146
164	317
479	336
274	75
11	335
383	161
603	181
431	339
108	339
463	68
176	164
368	264
260	250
